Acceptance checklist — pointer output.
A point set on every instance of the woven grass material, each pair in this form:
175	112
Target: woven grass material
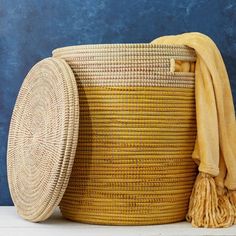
42	139
133	163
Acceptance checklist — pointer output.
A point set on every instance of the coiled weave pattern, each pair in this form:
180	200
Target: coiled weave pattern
42	139
133	164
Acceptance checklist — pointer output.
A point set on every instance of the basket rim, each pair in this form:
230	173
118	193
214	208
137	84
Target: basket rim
119	45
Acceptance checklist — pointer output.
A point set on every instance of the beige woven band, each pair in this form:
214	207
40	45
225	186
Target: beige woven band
145	64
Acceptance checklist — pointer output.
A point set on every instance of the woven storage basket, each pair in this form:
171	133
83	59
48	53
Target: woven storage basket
133	164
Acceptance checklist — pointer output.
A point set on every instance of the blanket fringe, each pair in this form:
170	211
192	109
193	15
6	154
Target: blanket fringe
211	206
232	199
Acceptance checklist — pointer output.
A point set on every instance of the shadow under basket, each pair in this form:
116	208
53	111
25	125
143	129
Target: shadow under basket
137	130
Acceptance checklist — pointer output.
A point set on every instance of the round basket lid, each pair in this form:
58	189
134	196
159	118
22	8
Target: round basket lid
42	139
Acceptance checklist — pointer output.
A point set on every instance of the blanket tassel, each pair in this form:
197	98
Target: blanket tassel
210	206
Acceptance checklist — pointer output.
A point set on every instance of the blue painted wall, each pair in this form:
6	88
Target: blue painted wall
30	29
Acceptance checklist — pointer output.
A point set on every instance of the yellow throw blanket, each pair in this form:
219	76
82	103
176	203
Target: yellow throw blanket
213	199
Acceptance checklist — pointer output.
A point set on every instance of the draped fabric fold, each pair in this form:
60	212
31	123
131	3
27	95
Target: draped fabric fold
213	199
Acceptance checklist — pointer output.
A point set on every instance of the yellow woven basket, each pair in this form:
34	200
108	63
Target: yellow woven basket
137	131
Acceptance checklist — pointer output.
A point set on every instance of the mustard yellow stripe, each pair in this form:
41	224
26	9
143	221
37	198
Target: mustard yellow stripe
142	90
135	146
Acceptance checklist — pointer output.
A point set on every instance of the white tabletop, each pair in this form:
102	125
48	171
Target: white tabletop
12	225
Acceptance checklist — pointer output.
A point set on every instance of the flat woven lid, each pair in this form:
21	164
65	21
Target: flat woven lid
42	139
